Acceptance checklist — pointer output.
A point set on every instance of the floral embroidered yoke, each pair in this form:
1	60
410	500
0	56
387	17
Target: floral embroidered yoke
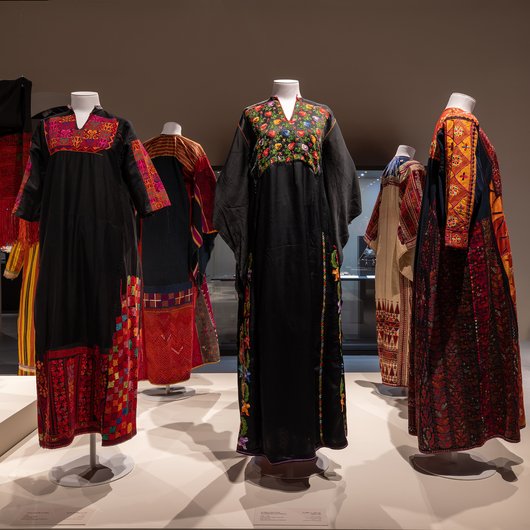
283	203
465	368
391	232
83	186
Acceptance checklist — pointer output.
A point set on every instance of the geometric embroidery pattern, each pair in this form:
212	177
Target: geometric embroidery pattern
166	300
155	189
96	135
83	390
387	328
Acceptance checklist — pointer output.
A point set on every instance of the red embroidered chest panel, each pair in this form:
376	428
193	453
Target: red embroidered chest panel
96	135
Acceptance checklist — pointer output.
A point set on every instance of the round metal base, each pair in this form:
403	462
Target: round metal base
391	391
80	474
173	393
456	466
292	470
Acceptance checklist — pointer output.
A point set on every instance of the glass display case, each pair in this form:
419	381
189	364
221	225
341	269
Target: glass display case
357	273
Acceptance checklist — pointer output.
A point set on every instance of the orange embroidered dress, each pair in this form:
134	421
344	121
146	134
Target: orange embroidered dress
465	384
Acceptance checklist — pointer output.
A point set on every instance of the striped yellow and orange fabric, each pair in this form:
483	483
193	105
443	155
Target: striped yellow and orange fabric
25	257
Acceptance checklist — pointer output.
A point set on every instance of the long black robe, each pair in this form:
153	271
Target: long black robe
83	186
283	203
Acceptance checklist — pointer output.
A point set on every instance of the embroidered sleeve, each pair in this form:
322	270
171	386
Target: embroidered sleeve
204	192
145	186
461	135
411	194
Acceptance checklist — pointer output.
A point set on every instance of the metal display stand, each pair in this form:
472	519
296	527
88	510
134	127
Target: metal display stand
391	391
454	465
168	393
291	470
91	470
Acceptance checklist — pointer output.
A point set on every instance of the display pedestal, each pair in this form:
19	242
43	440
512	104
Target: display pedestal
291	470
454	465
168	393
391	391
91	470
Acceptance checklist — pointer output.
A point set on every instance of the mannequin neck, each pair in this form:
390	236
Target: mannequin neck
83	104
172	128
461	101
286	90
405	150
84	101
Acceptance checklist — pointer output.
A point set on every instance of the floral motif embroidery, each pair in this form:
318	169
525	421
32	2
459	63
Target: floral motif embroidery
244	361
97	134
336	276
282	140
155	189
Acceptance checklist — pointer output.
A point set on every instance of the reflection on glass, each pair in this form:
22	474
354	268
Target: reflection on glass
357	273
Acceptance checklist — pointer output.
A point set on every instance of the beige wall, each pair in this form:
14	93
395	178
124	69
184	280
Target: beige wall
385	67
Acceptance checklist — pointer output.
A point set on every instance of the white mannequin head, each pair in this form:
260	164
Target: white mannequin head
405	150
83	103
172	128
461	101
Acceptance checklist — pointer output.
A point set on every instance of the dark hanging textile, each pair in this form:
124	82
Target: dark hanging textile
83	186
179	328
283	203
465	377
15	137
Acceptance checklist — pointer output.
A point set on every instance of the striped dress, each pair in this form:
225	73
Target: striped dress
25	257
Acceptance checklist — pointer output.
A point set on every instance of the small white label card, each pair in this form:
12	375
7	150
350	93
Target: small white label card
52	516
272	516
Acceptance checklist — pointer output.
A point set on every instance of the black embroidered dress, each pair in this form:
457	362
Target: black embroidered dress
83	185
283	204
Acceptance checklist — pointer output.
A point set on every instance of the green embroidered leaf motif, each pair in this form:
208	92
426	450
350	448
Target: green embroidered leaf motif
246	392
244	427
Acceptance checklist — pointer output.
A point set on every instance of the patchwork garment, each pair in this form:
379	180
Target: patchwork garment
283	203
179	327
15	138
24	257
391	233
465	374
83	186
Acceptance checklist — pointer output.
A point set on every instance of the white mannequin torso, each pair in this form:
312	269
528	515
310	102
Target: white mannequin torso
172	128
83	104
405	150
461	101
287	91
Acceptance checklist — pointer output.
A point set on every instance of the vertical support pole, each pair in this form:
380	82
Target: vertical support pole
93	456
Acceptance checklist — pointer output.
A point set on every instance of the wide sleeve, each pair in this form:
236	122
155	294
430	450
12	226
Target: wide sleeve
28	202
232	194
341	183
372	230
204	192
15	261
411	194
145	186
461	137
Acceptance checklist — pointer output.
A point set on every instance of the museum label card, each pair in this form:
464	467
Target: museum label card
273	516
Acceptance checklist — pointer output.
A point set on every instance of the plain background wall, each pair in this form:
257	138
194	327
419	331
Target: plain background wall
385	67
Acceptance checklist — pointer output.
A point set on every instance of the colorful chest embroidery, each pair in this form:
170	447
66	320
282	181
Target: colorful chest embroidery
96	135
280	140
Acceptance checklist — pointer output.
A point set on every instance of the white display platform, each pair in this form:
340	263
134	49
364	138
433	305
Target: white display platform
187	474
18	409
